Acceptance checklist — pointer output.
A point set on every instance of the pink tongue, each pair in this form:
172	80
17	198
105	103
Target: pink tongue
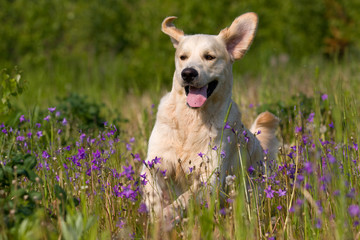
197	96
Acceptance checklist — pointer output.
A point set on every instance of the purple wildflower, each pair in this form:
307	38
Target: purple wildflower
311	117
279	207
57	114
281	192
251	169
223	154
22	118
156	160
299	202
97	154
39	134
128	172
331	125
20	138
64	122
355	147
52	109
223	211
324	97
143	180
318	223
351	194
136	157
38	125
127	192
291	155
47	118
336	193
200	154
331	158
269	192
142	208
128	147
300	178
150	164
354	210
227	126
308	167
163	172
245	136
82	137
298	129
45	154
81	153
120	224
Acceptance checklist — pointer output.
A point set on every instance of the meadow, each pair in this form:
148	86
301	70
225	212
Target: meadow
74	123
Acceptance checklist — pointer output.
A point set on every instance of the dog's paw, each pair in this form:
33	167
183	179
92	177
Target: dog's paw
169	218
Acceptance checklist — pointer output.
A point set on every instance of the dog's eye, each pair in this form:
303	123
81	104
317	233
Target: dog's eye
209	57
183	57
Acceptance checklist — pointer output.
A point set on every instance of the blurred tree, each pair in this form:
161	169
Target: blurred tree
93	35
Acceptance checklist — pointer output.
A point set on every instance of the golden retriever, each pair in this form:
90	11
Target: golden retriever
198	127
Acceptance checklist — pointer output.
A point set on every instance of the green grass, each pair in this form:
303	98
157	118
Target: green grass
78	204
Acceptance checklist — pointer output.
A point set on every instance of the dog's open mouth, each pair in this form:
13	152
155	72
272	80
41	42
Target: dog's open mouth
196	97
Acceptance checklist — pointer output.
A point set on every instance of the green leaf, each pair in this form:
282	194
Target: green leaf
60	193
21	171
30	162
32	176
1	175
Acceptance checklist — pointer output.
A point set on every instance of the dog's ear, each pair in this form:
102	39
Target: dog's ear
239	35
168	28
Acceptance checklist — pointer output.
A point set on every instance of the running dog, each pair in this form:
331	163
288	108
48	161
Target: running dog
190	144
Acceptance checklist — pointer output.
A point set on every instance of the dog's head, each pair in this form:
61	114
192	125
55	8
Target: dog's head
204	62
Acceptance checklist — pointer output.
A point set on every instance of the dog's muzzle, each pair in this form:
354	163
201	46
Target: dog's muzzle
189	74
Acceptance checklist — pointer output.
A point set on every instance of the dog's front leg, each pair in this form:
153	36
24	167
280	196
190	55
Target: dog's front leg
153	193
175	210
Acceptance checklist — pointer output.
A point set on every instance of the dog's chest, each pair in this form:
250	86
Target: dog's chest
190	134
193	138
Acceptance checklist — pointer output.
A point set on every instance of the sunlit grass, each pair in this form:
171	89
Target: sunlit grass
90	183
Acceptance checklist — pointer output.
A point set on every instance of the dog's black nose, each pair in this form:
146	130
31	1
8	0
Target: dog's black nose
189	74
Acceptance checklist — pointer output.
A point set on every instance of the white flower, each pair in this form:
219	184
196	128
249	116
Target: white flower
229	180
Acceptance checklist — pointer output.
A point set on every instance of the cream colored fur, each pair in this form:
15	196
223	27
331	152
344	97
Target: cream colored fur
181	132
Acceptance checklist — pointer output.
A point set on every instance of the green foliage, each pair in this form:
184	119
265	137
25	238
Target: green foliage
65	200
77	227
18	202
295	106
11	85
91	38
80	112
